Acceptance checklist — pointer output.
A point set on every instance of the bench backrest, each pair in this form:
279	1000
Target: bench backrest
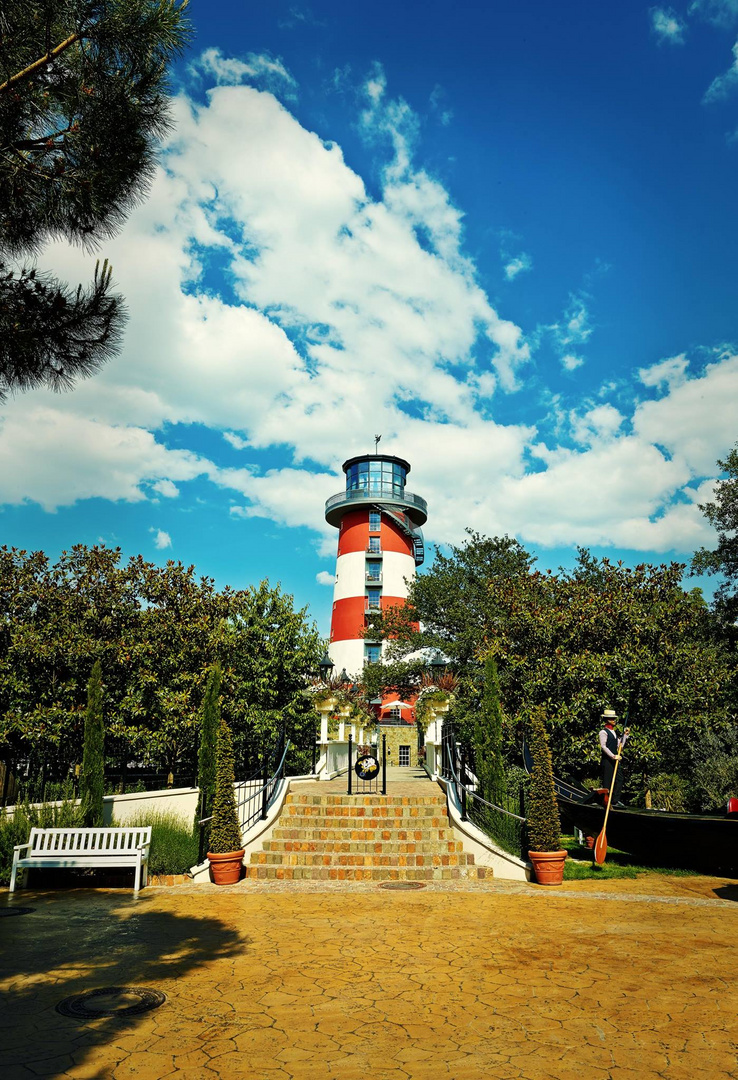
98	841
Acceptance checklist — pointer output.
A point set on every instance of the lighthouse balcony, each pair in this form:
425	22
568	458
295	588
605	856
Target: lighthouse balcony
373	578
388	495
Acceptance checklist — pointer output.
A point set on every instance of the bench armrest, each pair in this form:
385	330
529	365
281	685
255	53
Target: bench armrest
22	847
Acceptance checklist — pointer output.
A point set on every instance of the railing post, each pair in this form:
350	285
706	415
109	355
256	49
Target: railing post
315	755
350	770
384	764
463	786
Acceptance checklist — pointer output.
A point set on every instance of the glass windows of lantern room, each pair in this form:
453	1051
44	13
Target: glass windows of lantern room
375	521
382	476
372	654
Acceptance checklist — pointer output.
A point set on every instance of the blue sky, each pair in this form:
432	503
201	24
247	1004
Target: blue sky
502	235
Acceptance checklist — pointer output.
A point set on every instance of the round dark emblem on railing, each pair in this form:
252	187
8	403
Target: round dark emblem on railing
110	1001
366	767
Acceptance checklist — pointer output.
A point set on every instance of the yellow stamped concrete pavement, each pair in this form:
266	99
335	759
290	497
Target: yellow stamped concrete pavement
294	981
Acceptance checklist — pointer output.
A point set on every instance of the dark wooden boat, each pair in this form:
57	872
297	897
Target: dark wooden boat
707	842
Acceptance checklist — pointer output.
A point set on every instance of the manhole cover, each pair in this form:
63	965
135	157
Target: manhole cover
5	911
402	885
111	1001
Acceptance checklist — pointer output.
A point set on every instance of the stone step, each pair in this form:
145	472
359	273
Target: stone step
333	858
365	800
356	873
357	821
352	833
366	847
348	810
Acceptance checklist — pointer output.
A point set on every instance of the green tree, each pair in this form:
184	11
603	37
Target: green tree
157	632
487	736
209	723
722	513
574	642
92	774
225	831
83	103
542	820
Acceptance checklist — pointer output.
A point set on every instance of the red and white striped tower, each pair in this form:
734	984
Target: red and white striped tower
379	546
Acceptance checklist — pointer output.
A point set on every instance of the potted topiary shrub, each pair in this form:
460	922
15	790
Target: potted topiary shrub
544	826
226	852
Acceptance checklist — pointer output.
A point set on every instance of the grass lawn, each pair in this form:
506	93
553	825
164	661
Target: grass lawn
618	864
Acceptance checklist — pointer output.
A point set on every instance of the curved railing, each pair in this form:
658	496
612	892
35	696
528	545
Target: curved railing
504	826
254	797
380	494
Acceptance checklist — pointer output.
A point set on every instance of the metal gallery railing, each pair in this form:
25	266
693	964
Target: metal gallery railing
503	824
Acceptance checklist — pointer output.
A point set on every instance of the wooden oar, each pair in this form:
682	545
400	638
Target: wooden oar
600	848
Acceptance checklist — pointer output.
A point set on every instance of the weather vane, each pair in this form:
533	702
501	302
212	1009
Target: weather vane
376	443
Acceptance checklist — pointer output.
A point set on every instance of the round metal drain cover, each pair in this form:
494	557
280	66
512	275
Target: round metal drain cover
111	1001
402	885
6	911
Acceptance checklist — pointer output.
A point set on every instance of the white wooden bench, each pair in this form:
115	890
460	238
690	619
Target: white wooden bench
118	847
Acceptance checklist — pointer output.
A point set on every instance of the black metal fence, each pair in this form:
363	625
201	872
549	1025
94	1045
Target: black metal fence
503	819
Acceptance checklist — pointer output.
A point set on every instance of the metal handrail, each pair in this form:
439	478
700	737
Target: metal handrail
262	797
378	494
450	754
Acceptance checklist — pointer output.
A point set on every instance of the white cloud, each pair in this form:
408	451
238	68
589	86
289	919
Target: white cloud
518	265
260	69
324	578
667	26
671	372
352	314
235	440
166	488
570	362
161	539
724	84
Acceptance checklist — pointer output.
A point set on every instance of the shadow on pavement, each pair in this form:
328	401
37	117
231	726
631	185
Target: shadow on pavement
78	941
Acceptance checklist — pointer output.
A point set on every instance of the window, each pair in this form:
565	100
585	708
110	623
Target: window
372	654
373	570
372	599
403	756
375	521
396	712
374	545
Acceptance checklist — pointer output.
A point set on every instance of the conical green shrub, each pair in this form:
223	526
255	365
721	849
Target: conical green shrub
488	736
209	720
543	822
92	773
225	831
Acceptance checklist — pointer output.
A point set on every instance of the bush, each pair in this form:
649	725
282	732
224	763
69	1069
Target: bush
16	829
225	831
544	826
669	791
715	768
173	843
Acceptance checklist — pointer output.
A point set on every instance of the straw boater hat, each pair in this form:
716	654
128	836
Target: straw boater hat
609	715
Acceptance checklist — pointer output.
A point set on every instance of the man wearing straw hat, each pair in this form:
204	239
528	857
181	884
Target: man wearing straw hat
609	745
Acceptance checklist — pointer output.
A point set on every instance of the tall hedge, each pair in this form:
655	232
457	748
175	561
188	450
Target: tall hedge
225	831
92	775
209	720
544	825
488	736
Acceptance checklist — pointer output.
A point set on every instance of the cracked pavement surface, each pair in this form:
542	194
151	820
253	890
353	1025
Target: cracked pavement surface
286	981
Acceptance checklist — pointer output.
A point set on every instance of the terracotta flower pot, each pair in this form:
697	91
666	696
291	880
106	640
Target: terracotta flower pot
589	841
548	866
225	868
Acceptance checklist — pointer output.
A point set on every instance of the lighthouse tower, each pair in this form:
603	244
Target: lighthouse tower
379	546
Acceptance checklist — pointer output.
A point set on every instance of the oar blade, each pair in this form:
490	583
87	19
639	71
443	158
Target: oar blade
600	848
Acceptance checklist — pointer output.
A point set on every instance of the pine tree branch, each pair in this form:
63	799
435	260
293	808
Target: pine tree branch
37	64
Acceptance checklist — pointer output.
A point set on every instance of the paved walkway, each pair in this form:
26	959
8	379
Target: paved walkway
285	981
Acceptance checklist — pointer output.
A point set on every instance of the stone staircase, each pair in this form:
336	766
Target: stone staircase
364	838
